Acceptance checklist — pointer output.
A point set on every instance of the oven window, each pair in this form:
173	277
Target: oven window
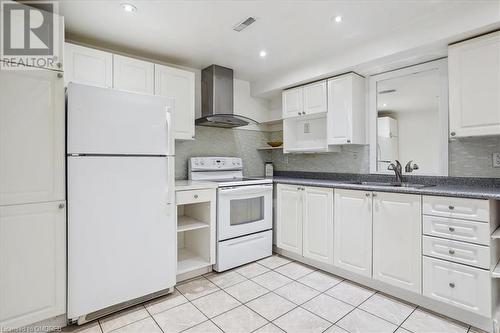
246	210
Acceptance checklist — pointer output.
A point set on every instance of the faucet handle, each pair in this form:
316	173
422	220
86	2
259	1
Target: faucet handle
409	167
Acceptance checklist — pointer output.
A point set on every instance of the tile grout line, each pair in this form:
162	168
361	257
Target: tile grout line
154	319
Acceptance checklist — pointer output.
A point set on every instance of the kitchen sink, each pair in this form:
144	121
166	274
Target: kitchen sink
389	184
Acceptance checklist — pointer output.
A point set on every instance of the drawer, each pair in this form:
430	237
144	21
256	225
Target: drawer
194	196
455	229
469	209
462	286
239	251
464	253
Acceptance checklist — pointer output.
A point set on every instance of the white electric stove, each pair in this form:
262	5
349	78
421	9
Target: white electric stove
244	210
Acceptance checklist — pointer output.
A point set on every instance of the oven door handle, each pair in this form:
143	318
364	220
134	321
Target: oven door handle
250	189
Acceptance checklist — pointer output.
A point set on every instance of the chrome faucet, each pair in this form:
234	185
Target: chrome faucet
409	167
398	171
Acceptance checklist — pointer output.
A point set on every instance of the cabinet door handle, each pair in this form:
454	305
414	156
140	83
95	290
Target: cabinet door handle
451	251
196	196
367	194
453	133
452	285
451	229
61	206
374	195
348	141
450	207
59	75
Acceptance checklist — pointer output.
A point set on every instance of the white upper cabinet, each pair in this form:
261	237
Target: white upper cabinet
88	66
180	85
293	102
353	231
32	263
397	238
318	224
346	110
32	152
474	85
289	222
133	75
315	100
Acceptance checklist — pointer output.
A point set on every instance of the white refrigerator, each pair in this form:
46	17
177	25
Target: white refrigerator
121	210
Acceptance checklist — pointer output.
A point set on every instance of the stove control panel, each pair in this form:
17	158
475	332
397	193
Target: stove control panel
215	163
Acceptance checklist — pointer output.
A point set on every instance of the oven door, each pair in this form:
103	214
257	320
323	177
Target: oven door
244	210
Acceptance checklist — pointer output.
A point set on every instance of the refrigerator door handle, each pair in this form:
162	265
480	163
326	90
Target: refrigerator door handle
170	131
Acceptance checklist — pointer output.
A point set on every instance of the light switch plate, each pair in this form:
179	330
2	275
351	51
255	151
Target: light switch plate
496	160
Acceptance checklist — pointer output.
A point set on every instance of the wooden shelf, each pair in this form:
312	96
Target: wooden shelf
496	234
188	261
270	148
185	223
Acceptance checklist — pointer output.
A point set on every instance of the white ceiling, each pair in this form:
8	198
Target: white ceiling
296	34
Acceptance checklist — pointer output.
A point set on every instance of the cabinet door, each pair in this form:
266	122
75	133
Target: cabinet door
318	224
474	83
178	84
340	111
289	218
88	66
32	263
31	136
315	98
352	231
133	75
293	102
397	239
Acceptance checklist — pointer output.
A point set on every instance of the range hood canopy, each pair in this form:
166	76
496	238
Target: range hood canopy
217	99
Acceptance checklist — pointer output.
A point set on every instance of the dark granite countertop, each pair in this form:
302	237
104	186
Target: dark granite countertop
477	188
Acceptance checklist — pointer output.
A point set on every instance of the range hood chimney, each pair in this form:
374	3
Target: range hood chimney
217	99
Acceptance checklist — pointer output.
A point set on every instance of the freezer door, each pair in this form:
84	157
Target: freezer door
109	121
121	230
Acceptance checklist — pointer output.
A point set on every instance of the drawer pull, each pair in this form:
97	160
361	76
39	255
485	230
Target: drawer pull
451	207
452	285
367	194
451	229
451	251
196	196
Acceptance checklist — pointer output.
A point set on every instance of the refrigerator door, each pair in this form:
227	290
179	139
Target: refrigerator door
121	230
108	121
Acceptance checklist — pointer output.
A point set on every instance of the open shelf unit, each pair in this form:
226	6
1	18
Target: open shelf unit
195	231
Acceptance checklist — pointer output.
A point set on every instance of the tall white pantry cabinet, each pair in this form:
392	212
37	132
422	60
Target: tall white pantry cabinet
32	197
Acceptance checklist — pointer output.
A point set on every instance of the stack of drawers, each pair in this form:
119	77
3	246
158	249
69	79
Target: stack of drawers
458	252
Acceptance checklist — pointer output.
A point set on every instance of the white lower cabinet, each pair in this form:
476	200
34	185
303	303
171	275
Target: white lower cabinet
462	286
352	249
397	236
305	221
32	263
289	222
318	224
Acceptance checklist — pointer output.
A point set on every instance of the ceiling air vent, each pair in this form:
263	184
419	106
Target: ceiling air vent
243	25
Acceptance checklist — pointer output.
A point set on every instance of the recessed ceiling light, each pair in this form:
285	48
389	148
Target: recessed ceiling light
262	53
129	8
384	105
338	19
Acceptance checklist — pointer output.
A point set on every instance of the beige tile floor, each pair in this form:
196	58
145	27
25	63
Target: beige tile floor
274	295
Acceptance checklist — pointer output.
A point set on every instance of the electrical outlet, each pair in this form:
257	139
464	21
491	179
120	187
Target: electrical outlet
496	160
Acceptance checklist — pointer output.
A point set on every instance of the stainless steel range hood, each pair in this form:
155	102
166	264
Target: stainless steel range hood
217	99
